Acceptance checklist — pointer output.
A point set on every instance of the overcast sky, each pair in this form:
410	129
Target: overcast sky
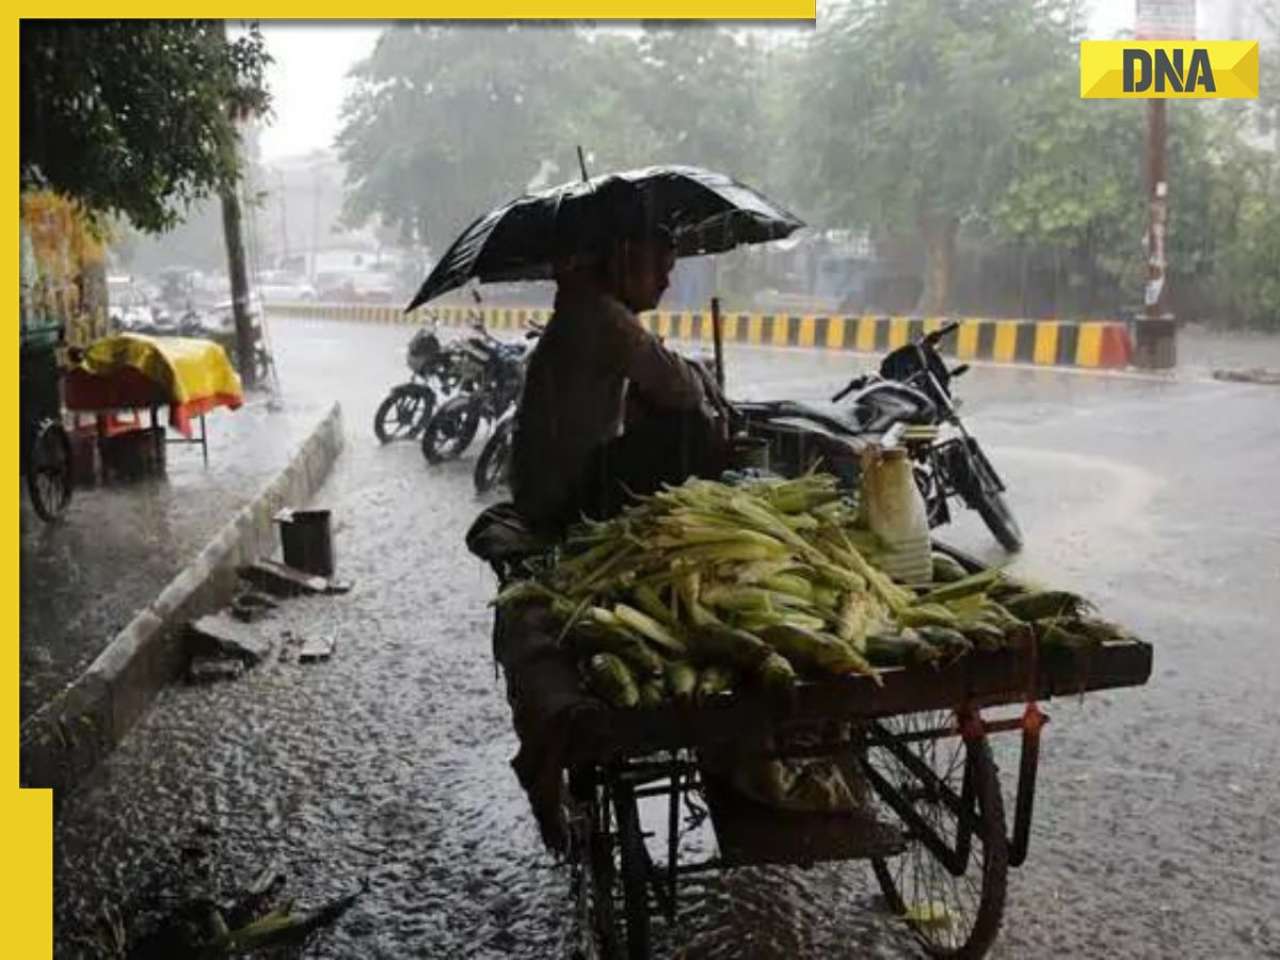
308	78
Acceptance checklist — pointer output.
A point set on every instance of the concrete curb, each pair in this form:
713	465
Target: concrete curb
66	738
1091	344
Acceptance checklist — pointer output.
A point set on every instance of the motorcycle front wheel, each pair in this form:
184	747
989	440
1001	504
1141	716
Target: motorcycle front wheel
450	431
403	414
495	459
999	519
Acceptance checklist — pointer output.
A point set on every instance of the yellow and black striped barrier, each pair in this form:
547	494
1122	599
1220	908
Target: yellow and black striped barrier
1098	344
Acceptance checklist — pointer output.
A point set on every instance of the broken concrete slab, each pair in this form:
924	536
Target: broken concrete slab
213	669
280	580
316	649
220	635
251	606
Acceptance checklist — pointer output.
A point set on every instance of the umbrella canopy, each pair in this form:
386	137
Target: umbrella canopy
706	212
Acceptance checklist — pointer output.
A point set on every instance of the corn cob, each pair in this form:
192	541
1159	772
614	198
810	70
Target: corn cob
717	643
712	679
1046	603
611	679
682	679
649	628
808	649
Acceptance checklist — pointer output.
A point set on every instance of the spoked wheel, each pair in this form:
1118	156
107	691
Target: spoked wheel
999	519
612	872
450	431
401	416
949	885
495	459
635	874
49	471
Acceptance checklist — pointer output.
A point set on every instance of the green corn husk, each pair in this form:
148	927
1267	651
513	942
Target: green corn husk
984	636
649	628
811	650
713	679
718	643
947	569
737	598
591	638
791	584
653	694
904	649
648	600
612	680
950	643
975	583
1044	604
777	677
927	614
1052	634
682	680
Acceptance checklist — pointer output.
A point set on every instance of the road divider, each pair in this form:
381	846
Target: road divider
1101	344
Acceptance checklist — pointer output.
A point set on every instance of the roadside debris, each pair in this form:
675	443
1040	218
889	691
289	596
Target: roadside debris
316	650
1269	378
256	919
280	580
251	605
224	636
213	669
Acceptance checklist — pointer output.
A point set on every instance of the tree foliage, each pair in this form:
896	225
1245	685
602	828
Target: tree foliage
949	128
135	118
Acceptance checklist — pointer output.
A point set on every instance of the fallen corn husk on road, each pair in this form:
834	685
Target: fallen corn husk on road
706	586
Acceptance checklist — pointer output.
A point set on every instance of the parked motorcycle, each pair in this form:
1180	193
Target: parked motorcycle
909	402
490	374
405	412
494	466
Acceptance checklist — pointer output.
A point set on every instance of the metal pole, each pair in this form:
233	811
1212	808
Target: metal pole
1156	299
718	334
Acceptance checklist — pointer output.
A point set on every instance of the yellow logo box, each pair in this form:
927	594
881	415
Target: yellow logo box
1168	69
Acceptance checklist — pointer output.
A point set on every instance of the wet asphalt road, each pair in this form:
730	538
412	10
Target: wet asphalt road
1158	808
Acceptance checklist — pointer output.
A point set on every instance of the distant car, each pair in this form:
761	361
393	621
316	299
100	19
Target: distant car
356	286
280	287
221	318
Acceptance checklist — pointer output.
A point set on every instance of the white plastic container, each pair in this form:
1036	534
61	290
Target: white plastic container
896	513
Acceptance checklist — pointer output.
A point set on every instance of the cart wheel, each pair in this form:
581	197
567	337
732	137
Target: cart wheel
49	471
635	874
592	859
949	885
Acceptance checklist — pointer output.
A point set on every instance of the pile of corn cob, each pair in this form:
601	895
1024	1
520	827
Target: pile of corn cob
704	586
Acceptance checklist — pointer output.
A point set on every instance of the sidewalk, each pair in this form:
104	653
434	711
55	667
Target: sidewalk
82	580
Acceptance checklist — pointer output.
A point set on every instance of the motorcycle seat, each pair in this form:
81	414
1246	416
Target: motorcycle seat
500	536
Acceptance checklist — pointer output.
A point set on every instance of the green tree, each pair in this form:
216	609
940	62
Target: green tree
446	121
135	118
904	111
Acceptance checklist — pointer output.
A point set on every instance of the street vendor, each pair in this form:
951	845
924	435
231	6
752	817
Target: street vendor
579	447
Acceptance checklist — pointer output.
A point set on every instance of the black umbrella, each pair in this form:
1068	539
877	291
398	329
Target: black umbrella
706	212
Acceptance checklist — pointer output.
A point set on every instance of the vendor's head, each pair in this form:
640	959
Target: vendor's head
633	254
638	267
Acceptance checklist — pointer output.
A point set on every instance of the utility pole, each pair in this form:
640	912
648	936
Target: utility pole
233	232
1155	331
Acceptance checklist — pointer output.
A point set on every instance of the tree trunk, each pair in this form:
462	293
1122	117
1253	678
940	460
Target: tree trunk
939	232
239	284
